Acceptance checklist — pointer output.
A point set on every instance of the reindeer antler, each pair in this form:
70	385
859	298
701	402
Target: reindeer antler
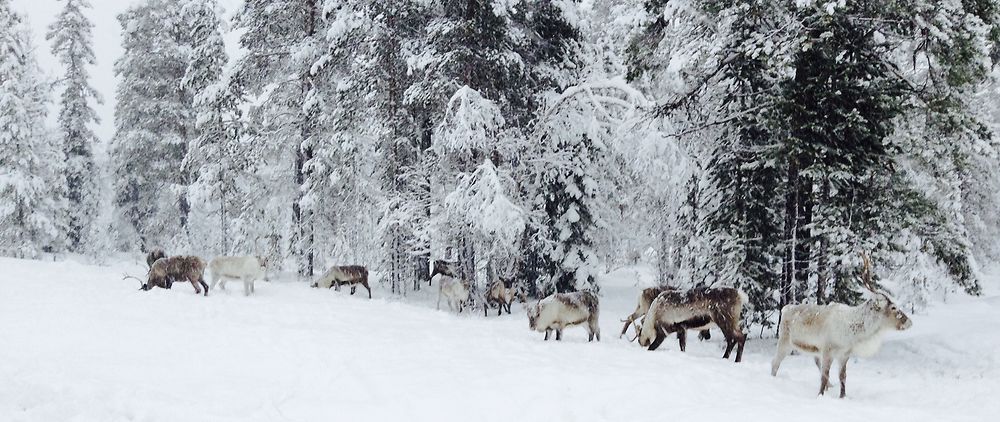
866	272
126	277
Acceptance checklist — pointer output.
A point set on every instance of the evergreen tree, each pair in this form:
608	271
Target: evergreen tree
211	158
72	42
153	124
31	188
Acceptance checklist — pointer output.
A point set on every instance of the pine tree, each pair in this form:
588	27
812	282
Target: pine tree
72	42
31	188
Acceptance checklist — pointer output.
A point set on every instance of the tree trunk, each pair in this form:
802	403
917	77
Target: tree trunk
788	233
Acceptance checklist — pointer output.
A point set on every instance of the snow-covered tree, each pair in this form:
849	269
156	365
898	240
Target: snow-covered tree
72	42
211	157
32	179
154	121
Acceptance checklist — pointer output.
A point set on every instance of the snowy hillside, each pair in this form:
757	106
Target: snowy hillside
78	343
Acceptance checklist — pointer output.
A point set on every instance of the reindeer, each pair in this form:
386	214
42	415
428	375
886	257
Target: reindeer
502	296
443	267
454	291
245	268
154	255
645	299
561	310
695	309
351	275
165	271
838	331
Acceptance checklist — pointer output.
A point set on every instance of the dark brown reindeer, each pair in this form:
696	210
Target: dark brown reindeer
645	299
838	331
351	275
165	271
154	255
674	311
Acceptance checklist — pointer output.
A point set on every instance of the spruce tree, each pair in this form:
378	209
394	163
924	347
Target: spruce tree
72	42
31	188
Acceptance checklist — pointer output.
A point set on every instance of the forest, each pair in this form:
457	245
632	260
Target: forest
755	144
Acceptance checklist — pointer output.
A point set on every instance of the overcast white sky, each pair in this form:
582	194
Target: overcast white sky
107	45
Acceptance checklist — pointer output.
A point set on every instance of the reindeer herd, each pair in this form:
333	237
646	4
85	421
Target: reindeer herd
832	332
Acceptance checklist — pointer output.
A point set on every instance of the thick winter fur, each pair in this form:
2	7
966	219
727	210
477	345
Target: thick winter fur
836	332
165	271
244	268
154	255
442	267
645	299
696	309
561	310
351	275
454	291
501	296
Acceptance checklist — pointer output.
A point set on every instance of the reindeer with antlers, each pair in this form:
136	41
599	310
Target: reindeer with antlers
165	271
838	331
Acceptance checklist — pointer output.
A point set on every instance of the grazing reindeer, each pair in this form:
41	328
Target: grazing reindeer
645	299
165	271
837	331
454	291
561	310
351	275
154	255
502	296
696	309
245	268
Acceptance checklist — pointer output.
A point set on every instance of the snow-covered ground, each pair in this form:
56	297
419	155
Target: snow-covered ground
79	344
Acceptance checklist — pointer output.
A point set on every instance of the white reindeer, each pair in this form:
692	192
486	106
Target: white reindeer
454	291
837	331
245	268
561	310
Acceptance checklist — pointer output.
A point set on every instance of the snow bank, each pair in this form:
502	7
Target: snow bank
81	344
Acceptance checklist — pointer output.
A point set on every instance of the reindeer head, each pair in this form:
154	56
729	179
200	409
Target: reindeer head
645	337
533	312
891	315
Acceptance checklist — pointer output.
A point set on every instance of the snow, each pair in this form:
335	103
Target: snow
81	344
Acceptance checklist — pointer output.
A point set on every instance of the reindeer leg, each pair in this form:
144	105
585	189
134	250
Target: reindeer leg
353	288
547	331
784	348
204	285
197	290
367	288
730	343
682	338
558	334
824	380
843	375
741	340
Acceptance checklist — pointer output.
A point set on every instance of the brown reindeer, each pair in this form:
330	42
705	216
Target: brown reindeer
154	255
697	309
645	299
501	296
351	275
165	271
